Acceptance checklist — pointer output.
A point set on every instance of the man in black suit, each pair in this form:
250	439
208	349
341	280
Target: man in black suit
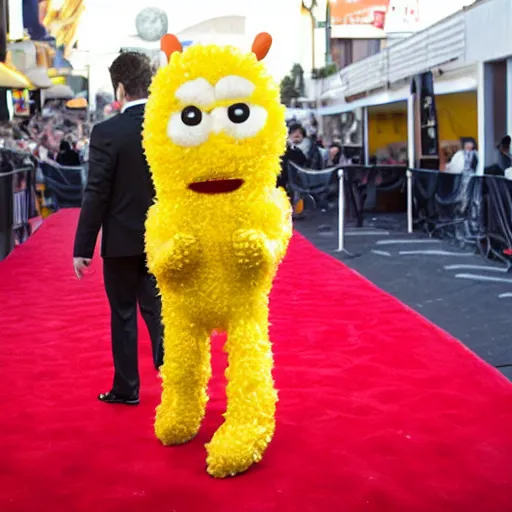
117	197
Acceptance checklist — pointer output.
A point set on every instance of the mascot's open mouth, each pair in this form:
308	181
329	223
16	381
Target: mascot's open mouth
216	186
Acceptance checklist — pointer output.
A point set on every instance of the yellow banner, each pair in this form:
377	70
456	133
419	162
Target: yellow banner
61	19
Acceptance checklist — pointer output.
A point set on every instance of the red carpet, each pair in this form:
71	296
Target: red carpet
380	411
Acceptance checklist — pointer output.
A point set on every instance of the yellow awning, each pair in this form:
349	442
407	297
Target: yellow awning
77	103
12	79
58	80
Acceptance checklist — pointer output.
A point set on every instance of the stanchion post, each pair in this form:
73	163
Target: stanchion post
408	174
341	211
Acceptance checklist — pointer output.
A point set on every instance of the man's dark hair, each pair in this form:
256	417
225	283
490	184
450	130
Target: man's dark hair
296	127
134	71
465	140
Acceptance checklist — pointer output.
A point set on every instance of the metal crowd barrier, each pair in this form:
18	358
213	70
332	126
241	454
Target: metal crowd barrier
65	184
424	197
17	207
476	212
347	176
310	183
352	184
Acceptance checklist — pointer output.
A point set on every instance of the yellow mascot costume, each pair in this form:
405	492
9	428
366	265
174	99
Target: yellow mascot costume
214	132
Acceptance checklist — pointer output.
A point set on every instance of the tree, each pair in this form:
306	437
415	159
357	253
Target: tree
288	91
297	73
292	85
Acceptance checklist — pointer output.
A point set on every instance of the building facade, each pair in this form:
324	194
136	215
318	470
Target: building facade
106	27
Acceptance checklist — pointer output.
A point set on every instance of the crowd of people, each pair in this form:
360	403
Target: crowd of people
306	150
32	150
60	135
56	135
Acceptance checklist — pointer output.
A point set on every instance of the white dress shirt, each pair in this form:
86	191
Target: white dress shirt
134	103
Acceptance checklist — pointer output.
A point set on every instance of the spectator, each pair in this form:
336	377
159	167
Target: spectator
6	136
504	158
464	160
335	154
67	155
5	163
298	139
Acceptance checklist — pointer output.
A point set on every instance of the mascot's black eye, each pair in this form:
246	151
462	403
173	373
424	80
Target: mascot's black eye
239	113
191	116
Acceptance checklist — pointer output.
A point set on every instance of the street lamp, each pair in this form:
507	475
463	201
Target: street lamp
328	56
309	5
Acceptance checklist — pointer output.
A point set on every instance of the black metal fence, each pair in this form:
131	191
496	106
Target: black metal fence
17	198
474	210
20	173
362	184
471	210
63	184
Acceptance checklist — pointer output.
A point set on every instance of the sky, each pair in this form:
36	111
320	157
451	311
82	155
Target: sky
432	11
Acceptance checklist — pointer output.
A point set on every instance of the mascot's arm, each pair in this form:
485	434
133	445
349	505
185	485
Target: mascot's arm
285	229
169	255
254	248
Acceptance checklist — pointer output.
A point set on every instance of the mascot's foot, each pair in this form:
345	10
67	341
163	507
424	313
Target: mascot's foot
234	450
171	431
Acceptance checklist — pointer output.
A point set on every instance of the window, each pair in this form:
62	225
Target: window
348	51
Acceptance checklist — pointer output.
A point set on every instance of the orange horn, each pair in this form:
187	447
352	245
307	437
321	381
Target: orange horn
261	45
170	44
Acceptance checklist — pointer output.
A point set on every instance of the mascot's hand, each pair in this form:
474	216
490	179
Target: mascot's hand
252	249
177	258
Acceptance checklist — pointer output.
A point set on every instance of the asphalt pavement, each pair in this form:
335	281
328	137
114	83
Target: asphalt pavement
460	291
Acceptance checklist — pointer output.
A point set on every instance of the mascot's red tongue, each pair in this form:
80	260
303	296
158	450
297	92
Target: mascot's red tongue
216	186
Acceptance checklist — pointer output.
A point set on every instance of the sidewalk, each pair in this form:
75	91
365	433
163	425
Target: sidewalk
461	292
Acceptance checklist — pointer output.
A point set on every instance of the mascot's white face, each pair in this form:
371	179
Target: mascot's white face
210	109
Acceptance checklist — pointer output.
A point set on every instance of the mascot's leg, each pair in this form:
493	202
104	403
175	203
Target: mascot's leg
250	416
185	374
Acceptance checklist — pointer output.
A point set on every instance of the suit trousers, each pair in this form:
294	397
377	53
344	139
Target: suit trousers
128	284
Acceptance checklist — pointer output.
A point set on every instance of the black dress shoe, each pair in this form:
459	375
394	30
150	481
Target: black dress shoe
112	398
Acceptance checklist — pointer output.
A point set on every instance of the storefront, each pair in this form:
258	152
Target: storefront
471	96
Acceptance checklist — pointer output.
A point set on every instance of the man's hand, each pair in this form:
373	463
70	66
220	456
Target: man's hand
80	264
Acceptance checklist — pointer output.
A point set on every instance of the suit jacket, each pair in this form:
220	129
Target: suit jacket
119	189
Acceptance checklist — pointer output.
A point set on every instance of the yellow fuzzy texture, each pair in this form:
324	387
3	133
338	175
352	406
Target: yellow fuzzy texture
215	257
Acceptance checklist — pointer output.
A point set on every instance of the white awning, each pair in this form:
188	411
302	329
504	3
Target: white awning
448	86
59	92
39	77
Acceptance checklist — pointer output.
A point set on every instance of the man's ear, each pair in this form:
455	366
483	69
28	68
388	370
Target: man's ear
120	93
261	45
169	44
